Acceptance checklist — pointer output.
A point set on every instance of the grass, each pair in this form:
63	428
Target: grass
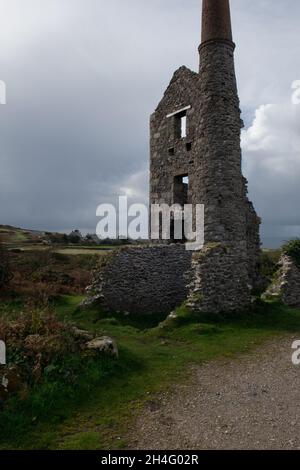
15	235
19	237
153	357
83	251
67	249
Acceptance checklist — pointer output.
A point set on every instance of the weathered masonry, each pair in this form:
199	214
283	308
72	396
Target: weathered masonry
196	159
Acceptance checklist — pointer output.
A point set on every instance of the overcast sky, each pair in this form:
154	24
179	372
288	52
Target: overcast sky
82	78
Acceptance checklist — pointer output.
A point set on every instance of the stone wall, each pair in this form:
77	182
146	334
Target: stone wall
157	279
219	280
170	156
253	246
142	280
287	284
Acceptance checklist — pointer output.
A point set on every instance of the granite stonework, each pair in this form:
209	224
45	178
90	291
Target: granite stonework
197	163
210	154
141	279
212	288
287	283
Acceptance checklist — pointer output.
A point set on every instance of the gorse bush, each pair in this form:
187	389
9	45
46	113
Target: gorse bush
292	249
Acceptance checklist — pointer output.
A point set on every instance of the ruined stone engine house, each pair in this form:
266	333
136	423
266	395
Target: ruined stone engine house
196	159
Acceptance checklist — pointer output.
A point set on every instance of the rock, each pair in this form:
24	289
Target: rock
173	316
90	301
104	345
82	334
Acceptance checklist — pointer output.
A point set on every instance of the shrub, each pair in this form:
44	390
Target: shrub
49	371
57	238
35	340
292	249
269	260
5	273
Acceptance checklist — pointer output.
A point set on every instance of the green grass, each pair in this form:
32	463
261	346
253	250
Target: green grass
83	251
93	247
64	250
15	235
152	357
19	237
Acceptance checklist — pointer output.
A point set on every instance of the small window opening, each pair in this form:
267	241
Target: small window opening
172	152
189	146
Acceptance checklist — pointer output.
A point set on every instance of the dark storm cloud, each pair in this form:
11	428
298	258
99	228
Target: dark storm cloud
83	77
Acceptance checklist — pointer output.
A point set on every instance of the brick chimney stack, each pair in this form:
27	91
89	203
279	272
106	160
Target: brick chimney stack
216	20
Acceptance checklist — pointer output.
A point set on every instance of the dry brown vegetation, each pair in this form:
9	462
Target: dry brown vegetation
40	276
5	272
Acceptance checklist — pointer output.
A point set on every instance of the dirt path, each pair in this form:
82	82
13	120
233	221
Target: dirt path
248	403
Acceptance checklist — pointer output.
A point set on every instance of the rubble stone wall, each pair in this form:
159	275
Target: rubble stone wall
157	279
288	283
219	280
145	280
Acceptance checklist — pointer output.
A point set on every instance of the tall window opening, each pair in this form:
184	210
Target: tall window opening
181	189
181	125
180	196
180	122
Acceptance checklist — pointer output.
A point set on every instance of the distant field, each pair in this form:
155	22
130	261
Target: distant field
27	241
84	251
65	250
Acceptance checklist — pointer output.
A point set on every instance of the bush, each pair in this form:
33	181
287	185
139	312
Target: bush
292	249
35	340
5	274
57	238
269	260
49	371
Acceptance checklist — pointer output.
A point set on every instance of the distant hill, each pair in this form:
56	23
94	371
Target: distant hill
16	237
13	235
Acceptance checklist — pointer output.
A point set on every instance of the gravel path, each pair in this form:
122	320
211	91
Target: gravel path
248	403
